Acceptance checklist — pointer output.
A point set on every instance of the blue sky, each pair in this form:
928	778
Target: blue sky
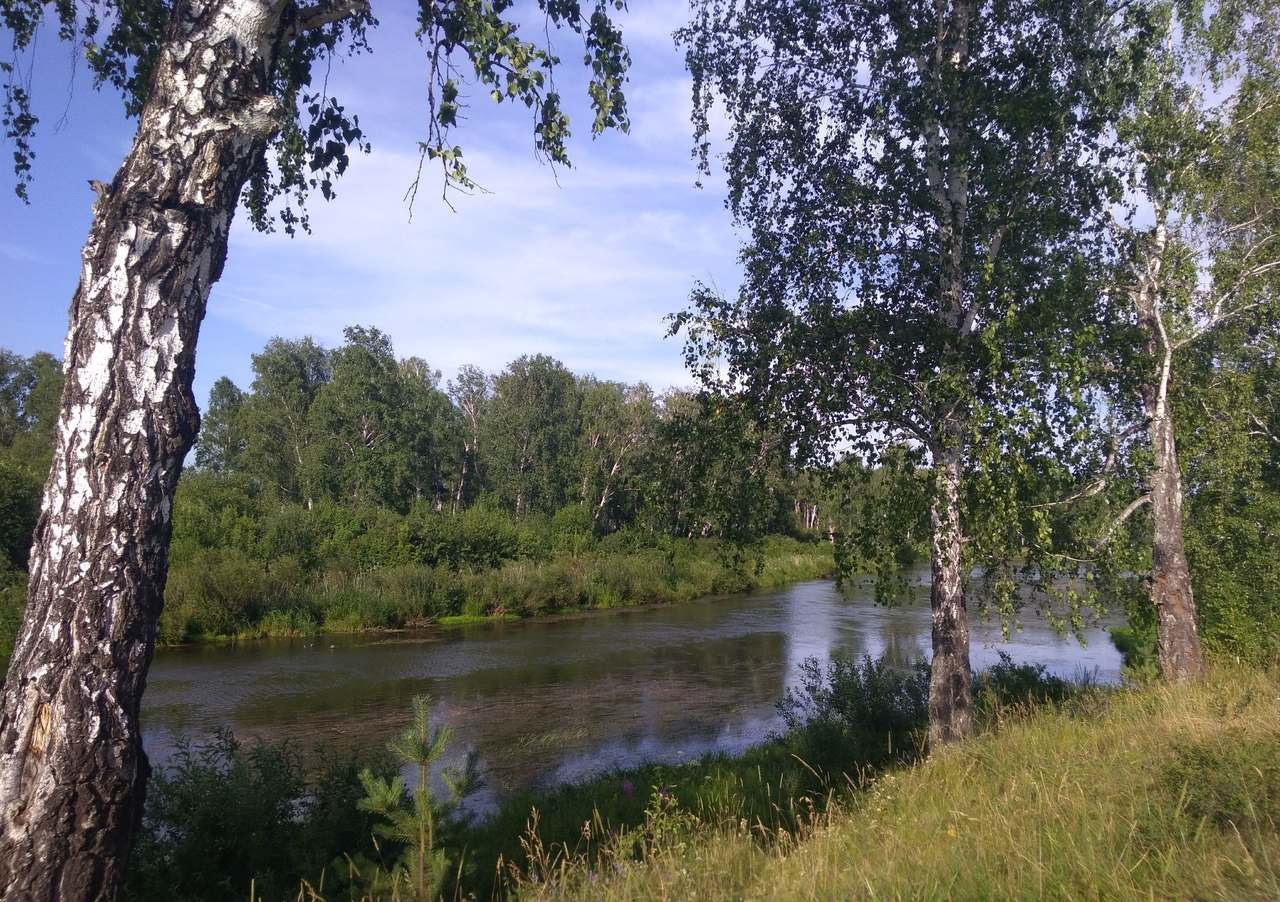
582	264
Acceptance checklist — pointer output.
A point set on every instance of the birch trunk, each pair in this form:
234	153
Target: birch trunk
72	768
1177	631
1177	624
950	677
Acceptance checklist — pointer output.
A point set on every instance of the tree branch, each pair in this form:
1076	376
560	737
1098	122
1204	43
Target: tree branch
326	12
1118	521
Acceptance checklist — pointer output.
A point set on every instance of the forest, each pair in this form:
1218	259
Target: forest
348	489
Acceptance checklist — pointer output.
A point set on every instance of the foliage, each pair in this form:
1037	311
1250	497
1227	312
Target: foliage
1197	263
413	821
1006	685
1226	420
463	43
921	184
863	712
30	389
224	815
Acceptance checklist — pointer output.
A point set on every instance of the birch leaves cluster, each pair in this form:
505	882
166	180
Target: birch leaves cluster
980	235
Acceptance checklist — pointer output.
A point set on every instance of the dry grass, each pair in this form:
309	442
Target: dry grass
1163	792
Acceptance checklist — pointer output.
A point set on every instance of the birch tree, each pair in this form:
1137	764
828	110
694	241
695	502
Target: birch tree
916	179
1200	248
216	86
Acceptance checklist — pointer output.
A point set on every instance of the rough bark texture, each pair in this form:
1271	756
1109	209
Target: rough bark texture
1177	625
947	171
950	677
72	769
1177	632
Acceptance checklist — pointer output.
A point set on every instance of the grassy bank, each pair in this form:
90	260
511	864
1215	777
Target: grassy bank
227	595
1083	793
1165	793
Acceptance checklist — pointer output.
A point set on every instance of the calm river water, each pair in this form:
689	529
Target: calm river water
556	699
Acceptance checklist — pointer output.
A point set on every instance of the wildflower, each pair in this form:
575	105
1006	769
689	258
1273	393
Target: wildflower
628	788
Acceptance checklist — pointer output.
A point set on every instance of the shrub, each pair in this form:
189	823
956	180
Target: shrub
224	814
486	538
852	714
1006	684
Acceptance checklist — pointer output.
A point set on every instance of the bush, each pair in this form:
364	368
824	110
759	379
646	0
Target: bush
486	538
1006	684
225	814
571	530
852	714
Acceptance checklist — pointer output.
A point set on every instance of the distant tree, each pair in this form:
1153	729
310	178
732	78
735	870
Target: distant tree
30	389
434	434
222	436
917	180
530	435
713	471
276	417
29	392
618	423
471	393
360	447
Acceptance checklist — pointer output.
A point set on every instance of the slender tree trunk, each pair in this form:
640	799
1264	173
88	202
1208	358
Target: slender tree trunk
72	768
1177	624
951	678
1177	632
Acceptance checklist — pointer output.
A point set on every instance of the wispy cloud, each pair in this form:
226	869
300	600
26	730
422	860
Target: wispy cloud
582	263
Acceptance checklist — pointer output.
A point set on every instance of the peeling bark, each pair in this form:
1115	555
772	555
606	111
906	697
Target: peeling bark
1177	630
72	768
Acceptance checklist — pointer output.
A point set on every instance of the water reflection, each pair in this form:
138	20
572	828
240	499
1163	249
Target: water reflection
550	700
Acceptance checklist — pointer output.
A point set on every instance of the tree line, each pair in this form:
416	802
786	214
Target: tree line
357	426
347	488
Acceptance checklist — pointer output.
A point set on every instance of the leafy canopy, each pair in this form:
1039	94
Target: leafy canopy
921	183
476	41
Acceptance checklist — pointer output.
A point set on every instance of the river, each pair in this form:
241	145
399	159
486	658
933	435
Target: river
555	699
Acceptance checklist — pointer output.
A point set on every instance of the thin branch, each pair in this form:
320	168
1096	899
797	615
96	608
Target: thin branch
1118	521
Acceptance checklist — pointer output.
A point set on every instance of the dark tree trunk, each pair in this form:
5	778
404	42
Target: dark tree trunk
950	679
72	769
1177	630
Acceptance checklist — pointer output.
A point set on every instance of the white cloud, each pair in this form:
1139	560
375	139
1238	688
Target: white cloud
580	263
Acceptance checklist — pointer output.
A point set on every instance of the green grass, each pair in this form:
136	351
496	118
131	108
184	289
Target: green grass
1166	793
1080	793
230	597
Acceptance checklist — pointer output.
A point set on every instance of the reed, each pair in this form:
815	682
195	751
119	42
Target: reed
225	595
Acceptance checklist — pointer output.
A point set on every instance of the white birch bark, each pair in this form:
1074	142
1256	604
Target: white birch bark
72	768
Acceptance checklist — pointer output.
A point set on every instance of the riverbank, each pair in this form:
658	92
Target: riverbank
1163	792
1071	792
229	598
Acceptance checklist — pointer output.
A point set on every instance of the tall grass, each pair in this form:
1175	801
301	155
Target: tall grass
225	594
1166	793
